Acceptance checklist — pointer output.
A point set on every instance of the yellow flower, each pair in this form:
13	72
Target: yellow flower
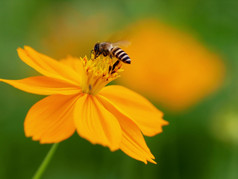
112	116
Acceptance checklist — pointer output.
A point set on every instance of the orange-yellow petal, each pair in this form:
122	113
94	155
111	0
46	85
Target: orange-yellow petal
43	85
132	143
96	124
51	119
74	63
48	66
145	115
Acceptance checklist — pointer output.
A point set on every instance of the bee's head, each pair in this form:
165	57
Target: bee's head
96	48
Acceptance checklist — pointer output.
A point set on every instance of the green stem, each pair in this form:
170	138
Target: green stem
46	161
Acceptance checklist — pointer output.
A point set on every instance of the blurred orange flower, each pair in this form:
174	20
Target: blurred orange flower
170	66
112	116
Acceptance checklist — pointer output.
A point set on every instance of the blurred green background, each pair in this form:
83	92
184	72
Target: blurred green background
201	142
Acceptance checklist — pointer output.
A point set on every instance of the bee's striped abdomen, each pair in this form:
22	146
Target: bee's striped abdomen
121	55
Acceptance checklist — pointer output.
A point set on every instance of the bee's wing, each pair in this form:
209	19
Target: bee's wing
122	43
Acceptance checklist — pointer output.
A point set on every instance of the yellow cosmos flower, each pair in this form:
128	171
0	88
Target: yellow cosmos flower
112	116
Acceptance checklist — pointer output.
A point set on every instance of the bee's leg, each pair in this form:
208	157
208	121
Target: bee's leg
115	64
104	54
110	68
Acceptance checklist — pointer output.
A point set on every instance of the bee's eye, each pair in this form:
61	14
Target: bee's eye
96	47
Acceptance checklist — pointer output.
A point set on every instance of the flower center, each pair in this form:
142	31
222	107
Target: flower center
98	73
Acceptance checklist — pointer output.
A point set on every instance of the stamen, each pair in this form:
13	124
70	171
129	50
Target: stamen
98	73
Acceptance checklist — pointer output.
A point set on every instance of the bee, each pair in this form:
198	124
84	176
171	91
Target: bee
112	50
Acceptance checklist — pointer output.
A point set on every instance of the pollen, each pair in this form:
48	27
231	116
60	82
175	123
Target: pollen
98	73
